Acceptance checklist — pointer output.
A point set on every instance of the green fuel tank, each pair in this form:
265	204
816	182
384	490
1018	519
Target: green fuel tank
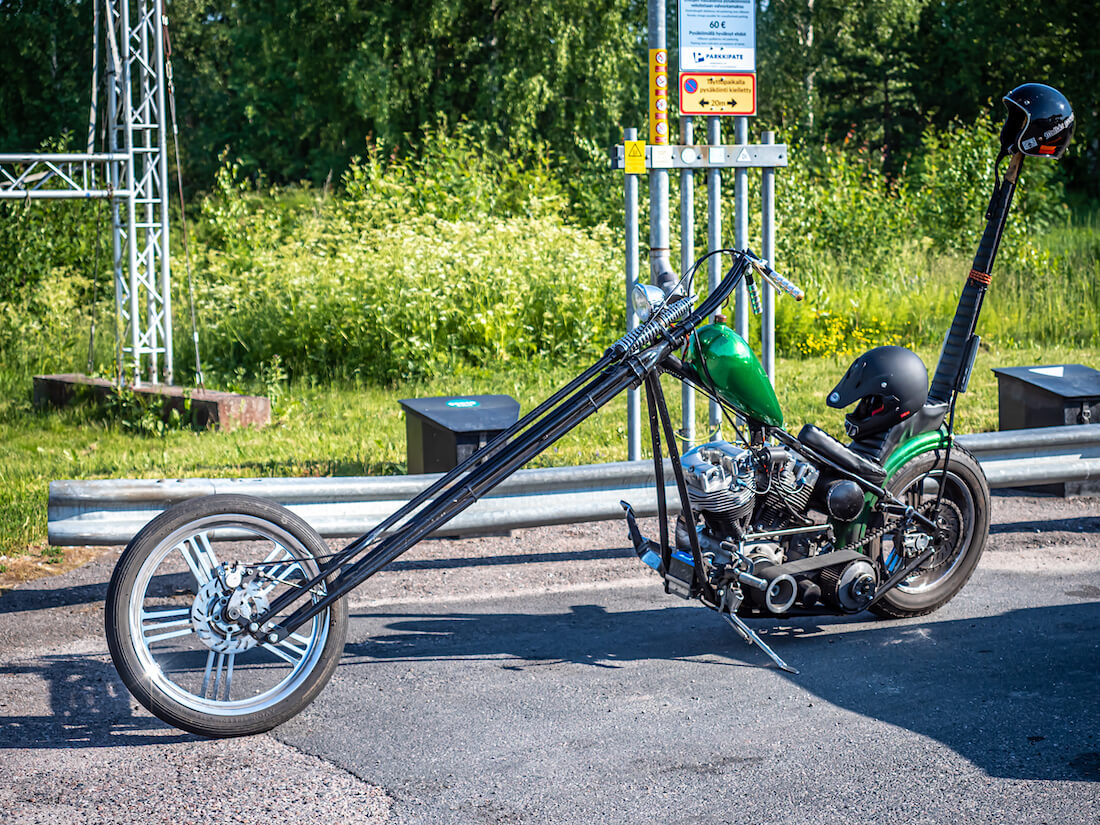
736	372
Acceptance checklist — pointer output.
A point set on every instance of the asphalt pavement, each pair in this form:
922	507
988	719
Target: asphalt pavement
503	687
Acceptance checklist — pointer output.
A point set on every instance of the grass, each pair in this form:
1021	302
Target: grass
349	429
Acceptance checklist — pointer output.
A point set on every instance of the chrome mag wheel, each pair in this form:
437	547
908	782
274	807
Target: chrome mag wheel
181	602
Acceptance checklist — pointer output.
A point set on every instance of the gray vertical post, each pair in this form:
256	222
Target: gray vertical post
147	254
741	218
633	399
687	257
767	250
714	231
115	171
659	263
162	206
132	298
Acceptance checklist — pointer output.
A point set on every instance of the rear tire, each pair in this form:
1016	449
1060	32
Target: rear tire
167	626
966	514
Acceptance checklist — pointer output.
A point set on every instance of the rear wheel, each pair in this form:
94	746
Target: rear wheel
963	518
178	608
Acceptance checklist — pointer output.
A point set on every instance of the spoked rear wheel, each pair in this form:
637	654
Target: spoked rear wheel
963	520
180	602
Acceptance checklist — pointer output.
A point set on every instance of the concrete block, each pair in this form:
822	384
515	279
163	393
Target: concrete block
224	410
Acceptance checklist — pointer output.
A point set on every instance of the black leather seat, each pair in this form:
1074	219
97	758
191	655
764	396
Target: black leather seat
826	445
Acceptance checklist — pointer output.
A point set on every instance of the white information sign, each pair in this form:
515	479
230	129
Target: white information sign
717	36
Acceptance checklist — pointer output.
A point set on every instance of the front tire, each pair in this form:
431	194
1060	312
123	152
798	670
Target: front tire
167	613
965	513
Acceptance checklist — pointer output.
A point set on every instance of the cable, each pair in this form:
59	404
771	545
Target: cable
183	210
95	284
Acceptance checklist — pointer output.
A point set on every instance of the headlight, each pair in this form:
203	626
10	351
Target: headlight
645	298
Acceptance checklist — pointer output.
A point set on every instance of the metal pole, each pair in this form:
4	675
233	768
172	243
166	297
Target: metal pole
687	257
714	233
660	265
148	252
95	79
115	174
133	299
162	175
633	397
741	217
767	250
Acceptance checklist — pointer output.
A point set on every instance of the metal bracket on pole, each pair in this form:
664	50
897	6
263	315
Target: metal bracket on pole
705	156
713	157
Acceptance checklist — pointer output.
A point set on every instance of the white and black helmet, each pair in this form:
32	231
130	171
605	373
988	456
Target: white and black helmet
890	383
1040	121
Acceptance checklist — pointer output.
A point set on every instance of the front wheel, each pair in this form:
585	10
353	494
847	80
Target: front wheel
177	616
964	518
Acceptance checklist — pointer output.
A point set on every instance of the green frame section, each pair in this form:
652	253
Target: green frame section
923	443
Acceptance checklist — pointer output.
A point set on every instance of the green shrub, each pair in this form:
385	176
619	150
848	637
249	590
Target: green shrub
415	263
408	299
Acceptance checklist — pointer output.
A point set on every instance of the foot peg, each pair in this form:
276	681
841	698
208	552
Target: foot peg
648	551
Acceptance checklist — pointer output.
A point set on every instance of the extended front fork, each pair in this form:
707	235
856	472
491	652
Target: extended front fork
457	491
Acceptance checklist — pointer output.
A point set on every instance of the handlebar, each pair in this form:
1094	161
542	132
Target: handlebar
676	308
764	269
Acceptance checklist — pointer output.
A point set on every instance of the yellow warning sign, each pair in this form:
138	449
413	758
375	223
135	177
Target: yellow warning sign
717	93
635	157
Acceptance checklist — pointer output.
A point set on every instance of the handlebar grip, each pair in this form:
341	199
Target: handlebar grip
754	296
779	282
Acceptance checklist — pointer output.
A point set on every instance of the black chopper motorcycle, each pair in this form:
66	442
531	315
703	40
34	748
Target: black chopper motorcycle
234	639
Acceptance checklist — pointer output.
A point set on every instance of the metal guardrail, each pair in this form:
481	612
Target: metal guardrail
111	512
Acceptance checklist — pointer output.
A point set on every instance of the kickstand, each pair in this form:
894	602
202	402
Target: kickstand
749	636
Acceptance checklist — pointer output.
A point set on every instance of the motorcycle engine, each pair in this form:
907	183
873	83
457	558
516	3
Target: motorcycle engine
739	494
739	491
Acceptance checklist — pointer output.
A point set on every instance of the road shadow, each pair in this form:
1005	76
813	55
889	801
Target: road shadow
1014	693
41	597
1075	524
89	708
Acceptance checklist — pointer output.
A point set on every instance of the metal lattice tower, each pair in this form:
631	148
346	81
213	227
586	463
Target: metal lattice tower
132	174
136	127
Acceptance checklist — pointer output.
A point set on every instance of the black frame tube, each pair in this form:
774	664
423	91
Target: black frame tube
656	397
476	483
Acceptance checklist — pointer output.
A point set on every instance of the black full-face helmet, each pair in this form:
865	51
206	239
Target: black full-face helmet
890	383
1040	121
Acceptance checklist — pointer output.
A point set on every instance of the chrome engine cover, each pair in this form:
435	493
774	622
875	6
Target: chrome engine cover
720	479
